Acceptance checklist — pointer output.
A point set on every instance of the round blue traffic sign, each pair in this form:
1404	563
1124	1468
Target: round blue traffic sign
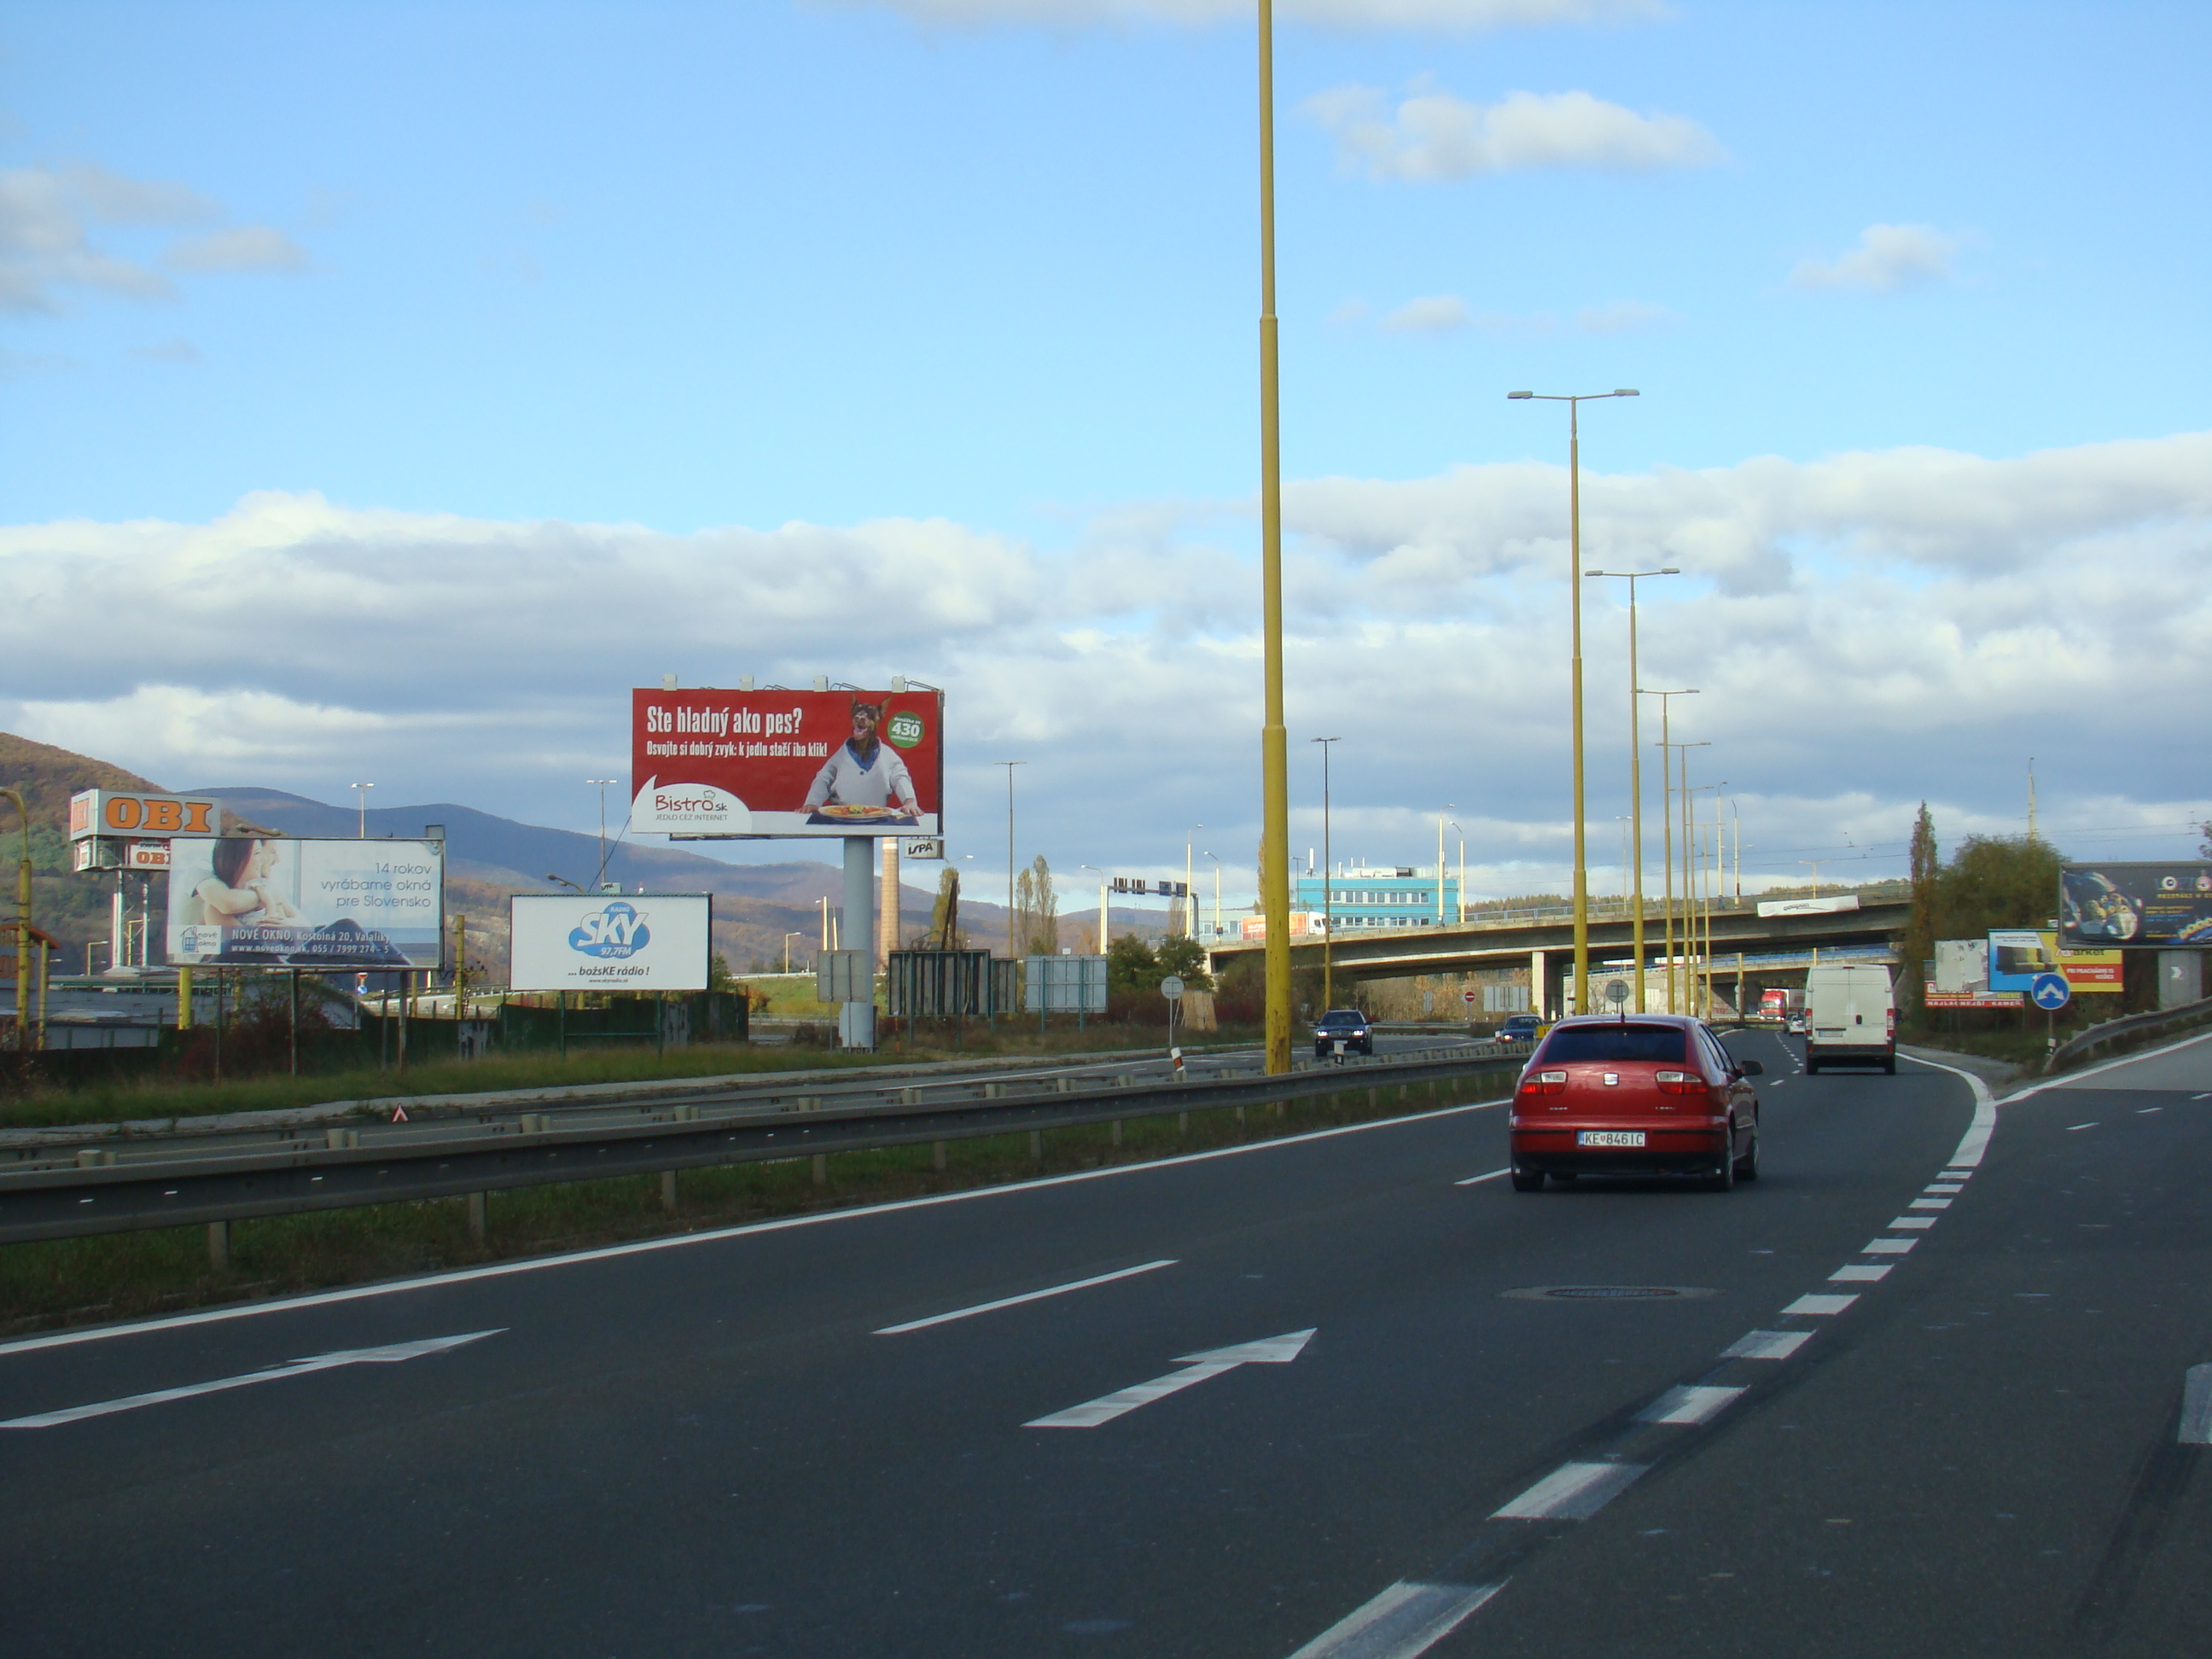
2050	991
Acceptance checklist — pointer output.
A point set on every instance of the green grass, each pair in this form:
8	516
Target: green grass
132	1275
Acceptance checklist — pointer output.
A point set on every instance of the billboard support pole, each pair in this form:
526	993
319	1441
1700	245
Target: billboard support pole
857	929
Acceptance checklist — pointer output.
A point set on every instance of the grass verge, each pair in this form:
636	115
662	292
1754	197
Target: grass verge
130	1100
121	1276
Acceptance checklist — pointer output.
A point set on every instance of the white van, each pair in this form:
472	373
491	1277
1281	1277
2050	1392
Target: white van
1851	1017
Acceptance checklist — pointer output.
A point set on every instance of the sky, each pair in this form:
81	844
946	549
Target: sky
385	390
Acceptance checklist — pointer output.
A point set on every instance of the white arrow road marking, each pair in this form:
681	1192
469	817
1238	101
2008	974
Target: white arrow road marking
1197	1367
2197	1406
321	1362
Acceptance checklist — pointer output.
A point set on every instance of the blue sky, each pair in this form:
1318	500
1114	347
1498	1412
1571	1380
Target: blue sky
691	268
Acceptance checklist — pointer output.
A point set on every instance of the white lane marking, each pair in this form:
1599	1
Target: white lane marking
1941	1186
1820	1304
390	1355
2208	1095
1573	1491
1196	1368
1929	1204
2073	1078
1473	1180
2139	1110
1403	1622
1923	1222
1016	1301
1696	1402
2197	1406
678	1240
1887	1246
1976	1140
1857	1273
1766	1345
1956	1175
2091	1124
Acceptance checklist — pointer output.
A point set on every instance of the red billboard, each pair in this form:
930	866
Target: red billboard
710	763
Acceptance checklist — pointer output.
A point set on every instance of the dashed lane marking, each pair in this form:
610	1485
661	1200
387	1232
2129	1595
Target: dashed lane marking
1473	1180
1573	1491
2091	1124
1820	1304
2197	1406
1887	1246
1016	1301
1766	1345
1404	1621
1929	1204
1695	1402
1857	1273
1922	1222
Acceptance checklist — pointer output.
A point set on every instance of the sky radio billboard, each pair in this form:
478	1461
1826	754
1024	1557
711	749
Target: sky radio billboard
2168	905
707	762
276	902
610	941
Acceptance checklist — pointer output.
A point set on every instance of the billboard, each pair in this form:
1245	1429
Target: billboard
119	812
277	901
609	941
2017	955
1809	906
714	764
2166	905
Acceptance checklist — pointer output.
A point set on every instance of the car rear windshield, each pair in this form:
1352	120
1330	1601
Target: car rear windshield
1344	1019
1624	1042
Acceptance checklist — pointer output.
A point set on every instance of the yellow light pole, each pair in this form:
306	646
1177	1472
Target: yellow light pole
1689	902
1010	766
1667	823
1328	882
1274	738
1636	758
1575	594
1190	899
1459	917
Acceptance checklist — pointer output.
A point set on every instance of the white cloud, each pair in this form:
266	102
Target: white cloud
1623	317
1431	135
242	247
1430	14
46	250
1436	313
1347	311
1888	259
1867	629
176	349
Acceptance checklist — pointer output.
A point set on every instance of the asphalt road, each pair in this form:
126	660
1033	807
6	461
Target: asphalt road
711	1446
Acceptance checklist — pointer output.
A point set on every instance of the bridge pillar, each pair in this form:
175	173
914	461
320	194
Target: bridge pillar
1540	983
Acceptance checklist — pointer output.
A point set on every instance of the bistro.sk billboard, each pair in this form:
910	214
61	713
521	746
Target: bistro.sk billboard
274	901
712	763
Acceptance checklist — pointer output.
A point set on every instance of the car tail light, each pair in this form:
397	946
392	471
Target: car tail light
1544	1082
1891	1032
1679	1082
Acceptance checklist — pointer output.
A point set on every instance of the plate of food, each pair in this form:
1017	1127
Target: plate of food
860	814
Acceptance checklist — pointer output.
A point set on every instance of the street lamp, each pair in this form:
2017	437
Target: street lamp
1460	917
565	882
361	800
1575	594
1274	740
1189	901
600	880
787	938
1010	766
1328	882
1682	790
1703	911
1636	757
1217	894
1104	929
1666	822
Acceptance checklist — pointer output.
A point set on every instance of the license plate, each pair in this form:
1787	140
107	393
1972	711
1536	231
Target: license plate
1610	1137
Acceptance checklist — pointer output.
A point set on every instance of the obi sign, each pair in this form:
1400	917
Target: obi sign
708	763
610	941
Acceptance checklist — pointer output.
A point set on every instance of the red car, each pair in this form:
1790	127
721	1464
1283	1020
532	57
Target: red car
1640	1094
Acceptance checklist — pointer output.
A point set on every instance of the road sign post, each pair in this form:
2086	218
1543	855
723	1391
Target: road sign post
1171	987
2050	992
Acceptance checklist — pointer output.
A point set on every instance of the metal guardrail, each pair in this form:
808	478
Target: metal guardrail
96	1191
2096	1036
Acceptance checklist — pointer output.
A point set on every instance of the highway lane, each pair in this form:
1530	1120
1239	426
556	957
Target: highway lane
703	1447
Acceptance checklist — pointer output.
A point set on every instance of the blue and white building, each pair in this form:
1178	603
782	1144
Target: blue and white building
1361	899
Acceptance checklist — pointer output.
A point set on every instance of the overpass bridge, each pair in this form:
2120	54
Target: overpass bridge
1743	943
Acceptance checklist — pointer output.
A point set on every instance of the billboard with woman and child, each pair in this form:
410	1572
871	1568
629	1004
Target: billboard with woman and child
275	901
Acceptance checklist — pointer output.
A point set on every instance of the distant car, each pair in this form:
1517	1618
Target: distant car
1520	1028
1651	1094
1346	1026
1794	1024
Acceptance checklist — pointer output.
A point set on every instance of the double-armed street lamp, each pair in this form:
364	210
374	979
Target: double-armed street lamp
1636	757
1575	594
1667	822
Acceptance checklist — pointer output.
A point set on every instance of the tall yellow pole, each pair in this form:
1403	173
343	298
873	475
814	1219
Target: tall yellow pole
1667	824
1274	739
1575	594
1636	789
22	925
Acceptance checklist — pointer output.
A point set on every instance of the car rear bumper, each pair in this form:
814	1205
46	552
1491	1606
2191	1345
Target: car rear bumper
1664	1152
1850	1054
